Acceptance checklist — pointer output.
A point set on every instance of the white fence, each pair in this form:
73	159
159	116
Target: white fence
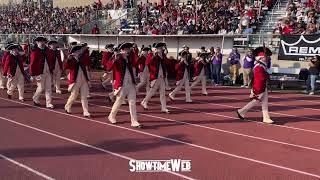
174	42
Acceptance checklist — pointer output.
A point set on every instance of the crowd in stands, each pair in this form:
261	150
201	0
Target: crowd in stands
208	17
302	17
30	18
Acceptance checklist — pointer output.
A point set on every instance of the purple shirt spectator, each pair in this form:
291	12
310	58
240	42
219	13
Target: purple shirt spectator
217	60
234	58
248	62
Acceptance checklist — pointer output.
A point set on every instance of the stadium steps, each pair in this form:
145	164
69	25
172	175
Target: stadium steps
267	26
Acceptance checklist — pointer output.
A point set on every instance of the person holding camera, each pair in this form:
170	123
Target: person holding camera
314	65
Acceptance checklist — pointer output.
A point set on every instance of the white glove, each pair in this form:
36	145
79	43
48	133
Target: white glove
38	78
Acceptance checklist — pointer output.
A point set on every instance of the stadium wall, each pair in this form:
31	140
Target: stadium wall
175	44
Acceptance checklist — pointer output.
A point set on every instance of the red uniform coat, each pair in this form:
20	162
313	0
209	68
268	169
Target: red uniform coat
261	76
198	66
4	57
135	54
119	69
153	61
37	61
180	69
73	65
11	65
86	57
57	57
141	63
106	57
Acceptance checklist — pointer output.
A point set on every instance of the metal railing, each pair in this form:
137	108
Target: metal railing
276	6
175	42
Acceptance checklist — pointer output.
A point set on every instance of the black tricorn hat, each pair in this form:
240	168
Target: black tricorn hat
8	45
183	53
204	54
262	50
76	48
73	43
40	38
125	45
160	44
52	42
109	46
13	46
145	49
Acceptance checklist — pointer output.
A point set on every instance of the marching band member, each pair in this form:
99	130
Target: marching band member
78	79
3	80
124	83
182	77
157	67
259	92
41	67
143	70
199	73
14	71
188	57
168	88
58	67
106	57
86	55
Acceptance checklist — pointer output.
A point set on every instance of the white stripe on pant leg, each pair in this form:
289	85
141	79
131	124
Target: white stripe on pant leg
84	92
21	86
48	88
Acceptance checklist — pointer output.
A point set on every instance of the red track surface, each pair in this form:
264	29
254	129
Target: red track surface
37	143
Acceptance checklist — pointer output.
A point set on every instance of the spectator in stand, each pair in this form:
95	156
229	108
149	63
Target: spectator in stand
95	29
288	28
302	17
314	65
28	18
